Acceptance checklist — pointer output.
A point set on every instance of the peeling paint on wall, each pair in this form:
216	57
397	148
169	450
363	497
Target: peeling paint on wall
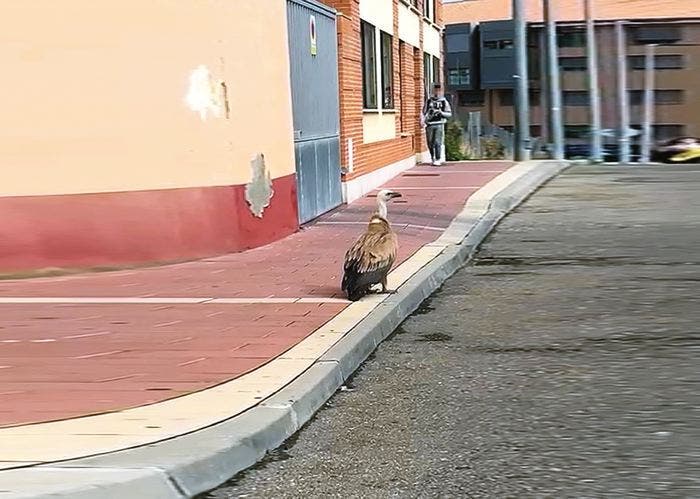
202	96
259	192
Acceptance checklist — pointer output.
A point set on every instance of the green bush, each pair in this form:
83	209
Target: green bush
454	149
492	148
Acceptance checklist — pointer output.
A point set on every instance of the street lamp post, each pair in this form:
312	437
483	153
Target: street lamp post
554	87
622	94
647	138
593	85
522	108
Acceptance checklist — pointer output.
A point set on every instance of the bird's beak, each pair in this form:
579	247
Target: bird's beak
395	195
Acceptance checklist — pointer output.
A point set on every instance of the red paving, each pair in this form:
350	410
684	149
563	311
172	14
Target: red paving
66	360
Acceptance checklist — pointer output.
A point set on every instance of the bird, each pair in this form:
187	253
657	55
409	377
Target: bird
370	258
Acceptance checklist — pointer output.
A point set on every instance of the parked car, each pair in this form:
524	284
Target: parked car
678	150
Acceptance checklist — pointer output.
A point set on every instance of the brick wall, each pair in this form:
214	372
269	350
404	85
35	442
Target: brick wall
408	95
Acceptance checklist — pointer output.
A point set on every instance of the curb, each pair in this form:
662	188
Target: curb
191	464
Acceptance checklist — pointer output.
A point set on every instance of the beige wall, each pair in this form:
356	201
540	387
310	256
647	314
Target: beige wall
94	94
378	12
409	26
432	41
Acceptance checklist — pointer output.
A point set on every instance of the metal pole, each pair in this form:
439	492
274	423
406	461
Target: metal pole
522	111
622	94
593	85
544	92
554	84
648	103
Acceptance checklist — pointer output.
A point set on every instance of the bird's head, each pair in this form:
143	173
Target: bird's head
383	197
387	195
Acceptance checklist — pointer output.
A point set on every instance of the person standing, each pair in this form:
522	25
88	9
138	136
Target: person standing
436	111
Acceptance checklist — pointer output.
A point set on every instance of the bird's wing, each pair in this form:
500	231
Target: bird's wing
371	252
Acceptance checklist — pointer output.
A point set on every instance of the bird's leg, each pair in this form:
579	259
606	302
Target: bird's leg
384	288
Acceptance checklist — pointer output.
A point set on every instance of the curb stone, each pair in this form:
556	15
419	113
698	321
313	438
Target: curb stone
196	462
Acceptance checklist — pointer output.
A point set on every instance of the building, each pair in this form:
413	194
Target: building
480	63
130	132
147	132
390	52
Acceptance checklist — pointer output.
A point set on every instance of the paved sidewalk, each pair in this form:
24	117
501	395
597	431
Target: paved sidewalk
87	344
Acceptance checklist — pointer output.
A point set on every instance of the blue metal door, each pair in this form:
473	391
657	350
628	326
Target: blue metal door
313	54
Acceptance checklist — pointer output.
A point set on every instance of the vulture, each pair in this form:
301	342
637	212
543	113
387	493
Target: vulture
370	258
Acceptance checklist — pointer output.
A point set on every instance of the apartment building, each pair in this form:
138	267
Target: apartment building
480	61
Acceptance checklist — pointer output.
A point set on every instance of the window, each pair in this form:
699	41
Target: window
576	131
571	38
457	77
667	132
377	68
573	63
506	97
387	71
427	80
369	65
660	97
657	34
436	70
471	98
456	42
431	71
429	9
576	98
506	44
662	61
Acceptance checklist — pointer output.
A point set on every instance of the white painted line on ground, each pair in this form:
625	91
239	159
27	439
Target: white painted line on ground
79	300
193	361
440	172
395	225
447	188
166	324
426	227
82	300
86	335
98	354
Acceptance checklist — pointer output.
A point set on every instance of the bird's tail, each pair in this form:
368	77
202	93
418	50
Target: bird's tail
352	290
355	294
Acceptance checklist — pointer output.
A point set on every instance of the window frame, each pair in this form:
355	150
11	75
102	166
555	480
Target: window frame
577	36
479	101
672	97
573	68
662	131
376	70
368	36
638	62
387	70
569	101
431	72
430	10
435	70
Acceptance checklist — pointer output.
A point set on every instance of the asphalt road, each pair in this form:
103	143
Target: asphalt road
562	363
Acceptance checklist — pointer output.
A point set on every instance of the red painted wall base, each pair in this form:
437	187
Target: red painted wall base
126	228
